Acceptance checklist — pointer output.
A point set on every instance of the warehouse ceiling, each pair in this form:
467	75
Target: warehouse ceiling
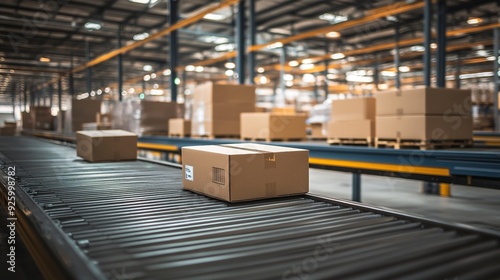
42	40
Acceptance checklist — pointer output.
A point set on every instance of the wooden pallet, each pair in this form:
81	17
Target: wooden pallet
351	141
317	138
422	144
272	139
178	135
215	136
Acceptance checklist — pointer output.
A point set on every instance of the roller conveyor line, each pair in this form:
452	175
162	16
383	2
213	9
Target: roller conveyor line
132	220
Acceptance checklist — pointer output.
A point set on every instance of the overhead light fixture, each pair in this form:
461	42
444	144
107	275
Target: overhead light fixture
99	92
434	46
140	36
308	78
474	20
306	66
156	86
294	63
288	77
167	72
2	58
214	39
190	68
147	78
92	93
177	81
289	83
392	18
156	92
404	69
359	79
199	69
107	89
307	61
214	16
333	18
263	80
476	75
230	65
337	56
153	75
224	47
151	2
490	58
92	25
147	68
274	45
388	73
44	59
261	70
483	53
333	34
417	48
229	73
332	76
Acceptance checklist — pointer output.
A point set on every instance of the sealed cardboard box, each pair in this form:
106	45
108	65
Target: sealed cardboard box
179	127
424	101
27	120
424	127
7	131
354	129
270	126
283	110
353	109
83	111
216	108
106	145
241	172
317	130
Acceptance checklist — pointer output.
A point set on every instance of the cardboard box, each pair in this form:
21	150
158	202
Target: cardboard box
179	127
355	129
27	121
8	131
103	118
283	110
362	108
424	127
269	126
216	108
84	111
106	145
155	116
317	130
424	101
10	123
241	172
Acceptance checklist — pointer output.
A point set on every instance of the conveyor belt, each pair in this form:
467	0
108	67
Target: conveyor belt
132	220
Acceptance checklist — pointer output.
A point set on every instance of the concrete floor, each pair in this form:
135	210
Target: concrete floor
470	205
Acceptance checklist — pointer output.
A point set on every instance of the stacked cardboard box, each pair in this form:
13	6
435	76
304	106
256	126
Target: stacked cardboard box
179	127
317	131
9	128
352	119
216	109
154	116
283	110
106	145
241	172
424	114
270	126
27	122
61	120
41	118
83	111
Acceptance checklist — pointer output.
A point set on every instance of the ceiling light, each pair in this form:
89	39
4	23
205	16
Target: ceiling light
333	18
99	92
144	1
474	20
177	81
153	75
490	58
44	59
155	86
156	92
274	45
147	78
140	36
483	53
93	25
359	79
199	69
214	16
261	70
476	75
337	56
214	39
307	61
2	58
107	89
12	71
224	47
289	83
417	48
131	90
434	46
229	65
332	76
391	18
288	77
306	66
308	78
293	63
388	73
263	80
190	68
167	72
333	34
147	68
92	93
229	73
404	69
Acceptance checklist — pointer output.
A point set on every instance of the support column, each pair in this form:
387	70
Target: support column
458	69
253	41
51	95
89	71
13	96
120	63
356	187
71	80
325	73
496	78
396	57
427	42
173	6
59	93
279	99
240	39
441	41
25	98
376	75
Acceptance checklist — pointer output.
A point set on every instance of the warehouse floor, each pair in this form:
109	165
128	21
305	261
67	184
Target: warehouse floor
469	205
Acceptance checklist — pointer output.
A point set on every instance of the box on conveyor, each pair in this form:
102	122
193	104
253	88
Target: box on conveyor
216	108
7	131
424	101
179	127
241	172
10	123
355	129
352	118
106	145
269	126
84	111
